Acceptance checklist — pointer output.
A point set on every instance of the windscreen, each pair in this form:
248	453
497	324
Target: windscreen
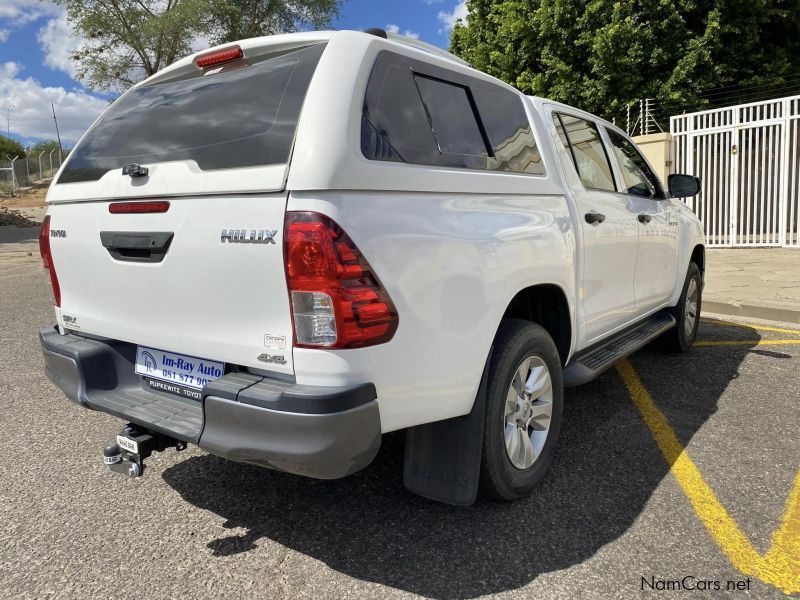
241	115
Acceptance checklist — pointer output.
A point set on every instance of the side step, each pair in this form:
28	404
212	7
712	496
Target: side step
588	364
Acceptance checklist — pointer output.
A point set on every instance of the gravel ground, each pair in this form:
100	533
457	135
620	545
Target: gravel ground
608	514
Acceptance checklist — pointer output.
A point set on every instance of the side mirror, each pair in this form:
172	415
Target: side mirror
683	186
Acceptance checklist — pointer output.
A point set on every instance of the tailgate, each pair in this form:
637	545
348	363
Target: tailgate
212	294
214	139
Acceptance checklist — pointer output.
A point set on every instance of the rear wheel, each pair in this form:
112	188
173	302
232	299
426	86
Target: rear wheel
687	313
523	410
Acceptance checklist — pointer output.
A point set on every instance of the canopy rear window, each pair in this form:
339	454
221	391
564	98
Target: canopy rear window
242	115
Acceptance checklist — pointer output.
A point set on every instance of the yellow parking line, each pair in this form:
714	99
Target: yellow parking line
749	326
702	343
780	566
785	551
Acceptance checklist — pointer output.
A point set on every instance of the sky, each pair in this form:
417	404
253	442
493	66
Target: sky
35	65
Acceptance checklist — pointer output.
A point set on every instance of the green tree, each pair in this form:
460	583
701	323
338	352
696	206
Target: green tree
240	19
601	55
10	148
125	41
45	146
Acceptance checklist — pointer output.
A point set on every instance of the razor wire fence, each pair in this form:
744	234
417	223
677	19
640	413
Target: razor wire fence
21	172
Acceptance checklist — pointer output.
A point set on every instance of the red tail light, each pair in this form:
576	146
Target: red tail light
218	57
337	300
47	258
116	208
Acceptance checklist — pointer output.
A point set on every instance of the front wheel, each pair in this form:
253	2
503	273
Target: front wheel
523	410
687	313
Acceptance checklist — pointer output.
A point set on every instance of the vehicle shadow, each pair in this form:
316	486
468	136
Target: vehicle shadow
368	527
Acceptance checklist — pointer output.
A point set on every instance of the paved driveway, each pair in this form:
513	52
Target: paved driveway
610	519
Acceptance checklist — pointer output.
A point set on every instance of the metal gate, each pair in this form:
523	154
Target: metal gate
748	159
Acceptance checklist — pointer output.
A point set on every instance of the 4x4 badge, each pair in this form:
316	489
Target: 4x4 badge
256	236
272	358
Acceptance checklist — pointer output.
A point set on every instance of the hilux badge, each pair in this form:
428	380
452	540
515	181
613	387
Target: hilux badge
255	236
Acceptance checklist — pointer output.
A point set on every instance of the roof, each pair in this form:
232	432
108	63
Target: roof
290	39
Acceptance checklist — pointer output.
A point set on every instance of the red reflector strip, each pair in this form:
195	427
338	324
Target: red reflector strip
138	207
47	258
376	313
44	242
220	56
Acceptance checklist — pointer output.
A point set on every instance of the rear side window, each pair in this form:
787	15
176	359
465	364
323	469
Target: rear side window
583	140
452	117
240	116
418	113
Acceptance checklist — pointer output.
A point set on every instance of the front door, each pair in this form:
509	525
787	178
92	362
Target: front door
609	225
657	258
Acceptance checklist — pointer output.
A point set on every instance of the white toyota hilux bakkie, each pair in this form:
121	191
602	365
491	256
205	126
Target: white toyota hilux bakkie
283	248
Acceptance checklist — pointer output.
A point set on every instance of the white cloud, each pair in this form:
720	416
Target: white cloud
450	18
395	29
201	42
19	12
9	69
55	37
32	118
58	43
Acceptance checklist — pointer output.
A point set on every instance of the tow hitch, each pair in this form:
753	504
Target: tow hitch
134	444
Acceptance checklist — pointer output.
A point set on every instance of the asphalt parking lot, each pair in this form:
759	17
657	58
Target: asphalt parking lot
623	510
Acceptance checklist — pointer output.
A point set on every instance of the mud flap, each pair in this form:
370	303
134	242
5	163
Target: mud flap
443	459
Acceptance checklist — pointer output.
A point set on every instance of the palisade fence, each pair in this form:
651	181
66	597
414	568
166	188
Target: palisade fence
748	159
18	173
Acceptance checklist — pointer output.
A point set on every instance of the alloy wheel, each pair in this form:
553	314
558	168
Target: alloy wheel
528	412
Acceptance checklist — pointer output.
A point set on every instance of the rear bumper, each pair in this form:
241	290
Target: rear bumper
320	432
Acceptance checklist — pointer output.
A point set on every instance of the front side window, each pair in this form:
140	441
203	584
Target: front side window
418	113
639	178
583	140
244	115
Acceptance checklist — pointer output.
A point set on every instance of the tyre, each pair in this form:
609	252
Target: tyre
524	401
687	314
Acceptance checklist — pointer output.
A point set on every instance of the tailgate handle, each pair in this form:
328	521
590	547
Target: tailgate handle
146	247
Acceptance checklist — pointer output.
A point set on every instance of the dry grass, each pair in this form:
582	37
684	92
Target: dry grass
16	210
33	198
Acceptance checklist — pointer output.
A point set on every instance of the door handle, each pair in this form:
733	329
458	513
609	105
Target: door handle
645	219
127	246
593	217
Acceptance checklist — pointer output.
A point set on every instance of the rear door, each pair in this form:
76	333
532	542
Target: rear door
608	221
203	274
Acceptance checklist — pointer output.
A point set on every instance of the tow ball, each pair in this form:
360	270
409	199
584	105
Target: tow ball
133	445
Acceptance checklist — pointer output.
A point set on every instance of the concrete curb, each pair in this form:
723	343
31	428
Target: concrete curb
765	310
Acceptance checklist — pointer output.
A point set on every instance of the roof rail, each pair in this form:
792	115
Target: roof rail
377	32
409	41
